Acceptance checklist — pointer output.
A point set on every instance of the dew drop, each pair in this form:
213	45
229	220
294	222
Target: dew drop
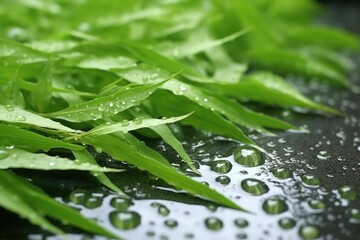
287	223
171	223
224	180
221	166
213	223
348	193
52	164
137	121
241	223
310	180
163	211
125	122
120	204
309	232
9	108
3	154
125	220
274	205
93	202
254	186
248	156
282	173
20	118
101	108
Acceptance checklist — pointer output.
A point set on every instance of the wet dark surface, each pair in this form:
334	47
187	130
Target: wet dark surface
308	186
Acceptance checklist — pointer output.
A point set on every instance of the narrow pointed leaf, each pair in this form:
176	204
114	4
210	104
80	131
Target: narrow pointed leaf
106	106
13	114
122	151
25	139
16	158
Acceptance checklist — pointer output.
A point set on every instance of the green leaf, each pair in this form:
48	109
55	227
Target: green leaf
107	63
120	150
325	37
232	110
127	126
42	93
268	88
85	157
291	62
32	203
21	138
98	108
202	118
14	114
16	158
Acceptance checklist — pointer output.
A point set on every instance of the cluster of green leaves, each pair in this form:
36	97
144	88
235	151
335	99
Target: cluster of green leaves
76	74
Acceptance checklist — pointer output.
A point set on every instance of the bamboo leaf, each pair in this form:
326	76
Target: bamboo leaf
122	151
14	114
25	139
16	158
106	106
32	203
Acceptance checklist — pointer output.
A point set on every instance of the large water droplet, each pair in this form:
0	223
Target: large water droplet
310	180
241	223
348	193
316	204
125	220
221	166
323	155
309	232
3	154
248	156
120	204
282	173
78	196
274	205
161	209
224	180
214	223
287	223
254	186
93	202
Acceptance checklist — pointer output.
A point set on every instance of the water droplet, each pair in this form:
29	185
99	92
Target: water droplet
224	180
354	215
282	173
137	121
287	223
78	196
183	88
241	223
323	155
316	204
20	118
163	211
52	164
221	166
93	202
274	205
3	154
248	156
310	180
309	232
125	122
171	223
254	186
9	108
125	220
101	108
348	193
120	204
214	223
